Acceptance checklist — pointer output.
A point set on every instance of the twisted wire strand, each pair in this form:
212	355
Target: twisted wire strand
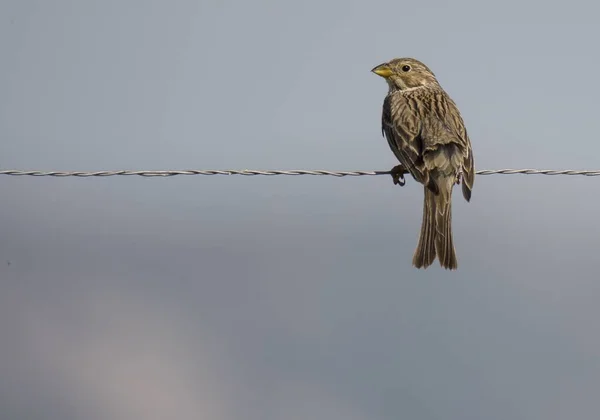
254	172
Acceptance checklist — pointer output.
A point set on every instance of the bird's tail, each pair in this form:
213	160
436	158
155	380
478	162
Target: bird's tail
436	229
444	244
425	252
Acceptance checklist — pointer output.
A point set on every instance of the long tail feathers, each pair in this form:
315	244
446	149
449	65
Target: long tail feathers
444	245
436	230
425	252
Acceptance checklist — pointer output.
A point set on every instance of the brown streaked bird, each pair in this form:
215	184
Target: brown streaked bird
426	132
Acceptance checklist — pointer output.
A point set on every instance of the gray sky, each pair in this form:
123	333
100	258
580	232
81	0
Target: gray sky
229	298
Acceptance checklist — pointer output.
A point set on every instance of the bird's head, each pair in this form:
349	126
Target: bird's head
405	73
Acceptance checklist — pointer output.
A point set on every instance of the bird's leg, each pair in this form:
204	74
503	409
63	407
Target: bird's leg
397	173
459	176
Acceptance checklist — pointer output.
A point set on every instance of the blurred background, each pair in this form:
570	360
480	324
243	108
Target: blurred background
267	298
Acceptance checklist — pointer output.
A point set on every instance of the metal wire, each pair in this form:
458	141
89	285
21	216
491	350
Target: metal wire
253	172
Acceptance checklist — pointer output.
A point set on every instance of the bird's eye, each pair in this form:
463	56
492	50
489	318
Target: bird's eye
405	68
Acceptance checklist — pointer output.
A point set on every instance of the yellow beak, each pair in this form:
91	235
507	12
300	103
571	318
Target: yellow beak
383	70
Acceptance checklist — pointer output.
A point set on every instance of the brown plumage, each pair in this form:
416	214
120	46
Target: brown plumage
426	133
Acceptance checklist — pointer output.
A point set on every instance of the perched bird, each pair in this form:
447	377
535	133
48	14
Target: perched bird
427	134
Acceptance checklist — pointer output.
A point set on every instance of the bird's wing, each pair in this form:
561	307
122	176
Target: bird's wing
446	144
401	127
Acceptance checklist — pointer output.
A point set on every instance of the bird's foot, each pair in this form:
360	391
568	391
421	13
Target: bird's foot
397	173
459	176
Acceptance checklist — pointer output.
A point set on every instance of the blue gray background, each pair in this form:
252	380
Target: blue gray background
292	297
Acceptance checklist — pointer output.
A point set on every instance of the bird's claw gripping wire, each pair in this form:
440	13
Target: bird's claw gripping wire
397	173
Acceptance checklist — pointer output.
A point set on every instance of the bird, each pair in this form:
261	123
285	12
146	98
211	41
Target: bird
427	134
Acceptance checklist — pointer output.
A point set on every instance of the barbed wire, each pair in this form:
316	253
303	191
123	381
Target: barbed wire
254	172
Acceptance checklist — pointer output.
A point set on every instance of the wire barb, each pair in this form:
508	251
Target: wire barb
254	172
